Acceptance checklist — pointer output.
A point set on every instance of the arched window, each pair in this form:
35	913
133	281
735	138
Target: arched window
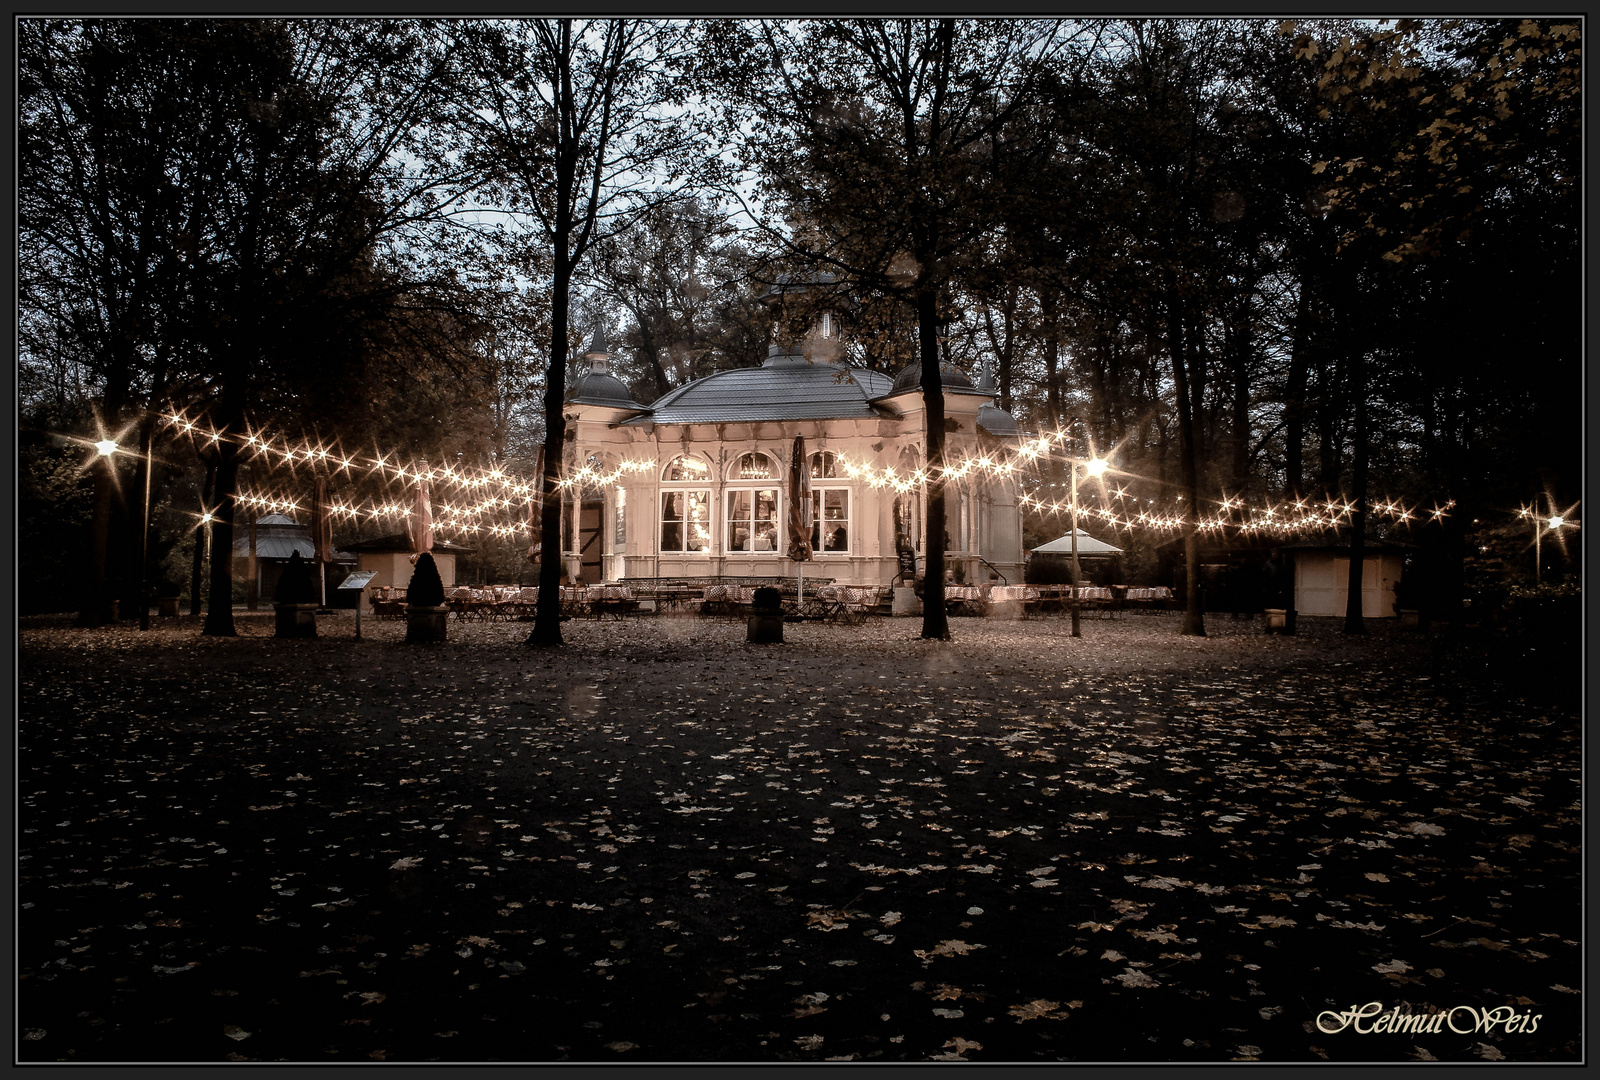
752	499
686	506
752	466
830	533
686	467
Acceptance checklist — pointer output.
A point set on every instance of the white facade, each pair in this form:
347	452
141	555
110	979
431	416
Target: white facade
711	497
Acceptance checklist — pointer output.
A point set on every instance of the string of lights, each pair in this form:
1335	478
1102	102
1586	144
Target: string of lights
493	501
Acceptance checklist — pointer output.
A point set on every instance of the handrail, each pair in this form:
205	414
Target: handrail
995	568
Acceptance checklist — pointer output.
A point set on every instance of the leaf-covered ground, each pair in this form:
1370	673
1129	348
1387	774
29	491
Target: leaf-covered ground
660	843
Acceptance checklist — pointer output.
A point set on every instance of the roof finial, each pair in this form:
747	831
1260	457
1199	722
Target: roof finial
597	353
986	375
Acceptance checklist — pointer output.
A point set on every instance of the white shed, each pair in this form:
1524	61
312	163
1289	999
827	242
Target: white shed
1322	580
389	557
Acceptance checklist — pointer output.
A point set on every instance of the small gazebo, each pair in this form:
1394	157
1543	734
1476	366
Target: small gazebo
277	537
1051	563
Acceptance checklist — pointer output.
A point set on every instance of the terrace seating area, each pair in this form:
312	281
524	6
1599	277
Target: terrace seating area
822	600
1103	601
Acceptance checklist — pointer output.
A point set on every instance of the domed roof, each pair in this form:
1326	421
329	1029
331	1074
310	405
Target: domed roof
997	422
910	377
599	388
787	386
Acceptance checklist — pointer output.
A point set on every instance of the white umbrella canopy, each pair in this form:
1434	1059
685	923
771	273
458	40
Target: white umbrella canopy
1087	545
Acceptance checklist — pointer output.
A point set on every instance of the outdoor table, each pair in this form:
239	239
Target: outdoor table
388	602
857	601
519	603
677	598
613	600
469	603
574	600
728	599
1026	597
970	596
823	603
1148	597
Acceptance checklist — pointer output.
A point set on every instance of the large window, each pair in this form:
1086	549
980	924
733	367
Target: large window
830	532
752	499
685	507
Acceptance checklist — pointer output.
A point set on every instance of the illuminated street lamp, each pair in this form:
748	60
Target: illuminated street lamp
105	448
1540	526
1093	467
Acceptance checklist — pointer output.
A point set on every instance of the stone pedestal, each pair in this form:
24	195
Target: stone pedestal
294	620
425	622
904	601
1410	619
167	605
1277	620
765	628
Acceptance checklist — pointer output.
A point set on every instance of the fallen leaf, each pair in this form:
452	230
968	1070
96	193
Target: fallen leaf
1036	1009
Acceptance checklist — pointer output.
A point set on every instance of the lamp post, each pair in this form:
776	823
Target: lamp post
1094	467
144	537
105	448
1539	526
100	603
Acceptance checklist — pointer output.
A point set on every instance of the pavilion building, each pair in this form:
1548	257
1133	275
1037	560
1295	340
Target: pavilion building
700	478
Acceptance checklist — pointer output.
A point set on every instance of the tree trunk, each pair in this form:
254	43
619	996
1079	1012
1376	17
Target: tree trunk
1189	452
197	563
142	597
1240	347
1294	404
935	622
219	605
1353	622
1052	359
547	615
1332	400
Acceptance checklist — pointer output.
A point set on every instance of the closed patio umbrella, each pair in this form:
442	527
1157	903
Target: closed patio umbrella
321	533
421	516
799	511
